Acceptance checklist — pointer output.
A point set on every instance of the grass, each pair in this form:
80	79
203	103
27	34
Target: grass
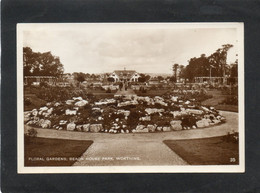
231	108
217	99
210	151
36	102
38	151
157	92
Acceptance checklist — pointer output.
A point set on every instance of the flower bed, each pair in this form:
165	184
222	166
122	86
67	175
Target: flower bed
134	114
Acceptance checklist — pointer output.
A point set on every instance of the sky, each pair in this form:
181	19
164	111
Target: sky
99	48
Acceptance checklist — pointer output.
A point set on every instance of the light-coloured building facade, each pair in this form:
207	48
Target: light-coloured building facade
125	75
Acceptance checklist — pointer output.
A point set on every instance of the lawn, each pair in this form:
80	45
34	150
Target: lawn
53	152
35	102
152	93
217	99
209	151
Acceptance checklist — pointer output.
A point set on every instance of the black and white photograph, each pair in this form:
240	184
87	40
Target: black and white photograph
130	97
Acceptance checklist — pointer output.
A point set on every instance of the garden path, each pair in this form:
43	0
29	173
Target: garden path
148	147
127	92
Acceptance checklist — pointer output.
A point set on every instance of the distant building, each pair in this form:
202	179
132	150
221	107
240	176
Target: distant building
36	80
125	75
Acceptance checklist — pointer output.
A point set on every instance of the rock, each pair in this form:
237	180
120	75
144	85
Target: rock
77	98
27	116
125	112
195	111
161	102
176	125
62	122
205	109
187	103
159	128
216	121
81	103
151	128
145	130
40	122
49	111
70	112
139	127
122	131
34	112
69	102
71	126
100	118
200	124
127	103
147	118
194	127
79	127
154	110
57	104
166	128
95	128
46	124
127	131
43	108
174	99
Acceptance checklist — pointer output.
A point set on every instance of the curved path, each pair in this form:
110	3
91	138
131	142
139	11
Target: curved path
138	148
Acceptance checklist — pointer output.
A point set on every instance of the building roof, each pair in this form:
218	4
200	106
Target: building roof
125	73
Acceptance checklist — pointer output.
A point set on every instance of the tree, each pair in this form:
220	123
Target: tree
79	76
197	67
234	69
41	64
144	78
181	71
175	70
110	79
172	79
160	78
219	60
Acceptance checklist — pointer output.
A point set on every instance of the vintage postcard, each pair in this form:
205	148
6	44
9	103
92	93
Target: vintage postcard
130	97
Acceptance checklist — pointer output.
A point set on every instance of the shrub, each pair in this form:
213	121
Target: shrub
43	84
31	133
108	90
188	121
27	102
232	137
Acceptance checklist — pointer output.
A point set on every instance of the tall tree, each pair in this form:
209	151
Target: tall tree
175	70
43	64
219	60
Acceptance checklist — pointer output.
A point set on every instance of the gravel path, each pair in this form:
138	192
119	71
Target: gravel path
138	148
128	153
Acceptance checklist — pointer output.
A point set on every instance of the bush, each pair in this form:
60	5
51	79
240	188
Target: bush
44	84
188	121
232	137
31	133
27	102
108	90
